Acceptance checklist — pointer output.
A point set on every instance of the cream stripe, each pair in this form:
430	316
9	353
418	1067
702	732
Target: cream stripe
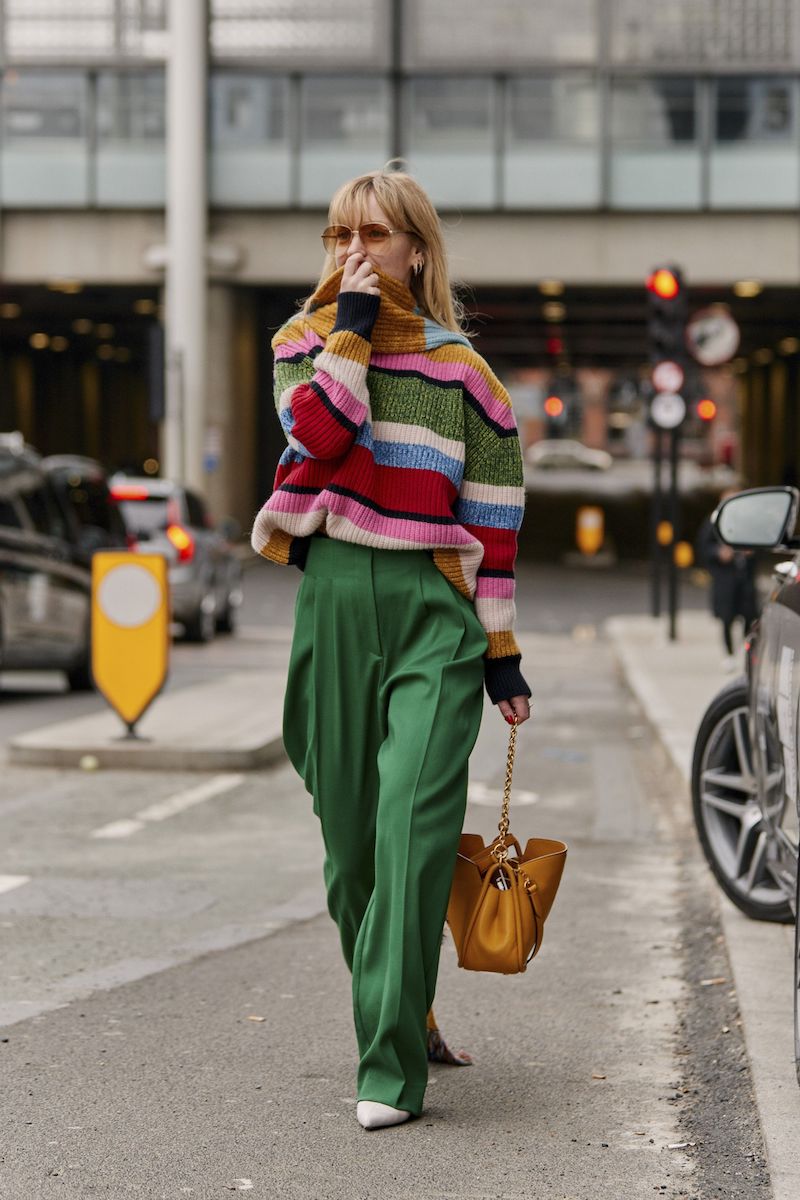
488	493
417	435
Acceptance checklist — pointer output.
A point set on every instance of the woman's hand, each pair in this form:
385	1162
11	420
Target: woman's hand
518	706
359	276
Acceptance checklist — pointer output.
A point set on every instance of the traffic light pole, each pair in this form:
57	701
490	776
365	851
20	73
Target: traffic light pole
655	518
674	515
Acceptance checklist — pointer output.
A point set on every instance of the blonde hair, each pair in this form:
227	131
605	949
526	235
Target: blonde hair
408	207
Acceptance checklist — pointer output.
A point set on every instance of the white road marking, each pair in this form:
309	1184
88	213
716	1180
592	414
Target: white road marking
8	882
169	807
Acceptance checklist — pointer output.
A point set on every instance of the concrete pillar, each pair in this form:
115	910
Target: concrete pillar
232	382
186	219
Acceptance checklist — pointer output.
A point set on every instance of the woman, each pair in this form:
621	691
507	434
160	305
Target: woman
400	495
733	586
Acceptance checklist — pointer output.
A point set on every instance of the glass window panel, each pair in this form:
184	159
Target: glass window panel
450	129
250	156
44	154
754	159
681	32
447	33
552	151
130	125
63	29
344	132
303	32
655	158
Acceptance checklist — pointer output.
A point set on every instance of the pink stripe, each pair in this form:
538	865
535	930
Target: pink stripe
309	341
396	527
498	589
496	410
291	502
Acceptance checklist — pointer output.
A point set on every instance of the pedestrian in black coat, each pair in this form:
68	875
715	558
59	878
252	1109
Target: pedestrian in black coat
733	589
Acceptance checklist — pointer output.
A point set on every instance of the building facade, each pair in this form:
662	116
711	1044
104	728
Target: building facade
569	144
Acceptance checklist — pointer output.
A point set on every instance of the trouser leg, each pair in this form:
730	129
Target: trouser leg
432	691
333	727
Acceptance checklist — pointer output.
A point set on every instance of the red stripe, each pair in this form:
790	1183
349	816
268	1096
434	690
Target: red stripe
407	489
500	546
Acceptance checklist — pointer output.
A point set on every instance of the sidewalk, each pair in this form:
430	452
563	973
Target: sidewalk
674	682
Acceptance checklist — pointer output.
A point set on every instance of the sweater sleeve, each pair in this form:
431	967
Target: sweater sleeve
490	506
323	401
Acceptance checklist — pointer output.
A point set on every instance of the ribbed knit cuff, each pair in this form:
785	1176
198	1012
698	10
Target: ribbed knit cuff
356	312
503	678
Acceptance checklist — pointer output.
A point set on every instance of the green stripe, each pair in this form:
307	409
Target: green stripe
415	402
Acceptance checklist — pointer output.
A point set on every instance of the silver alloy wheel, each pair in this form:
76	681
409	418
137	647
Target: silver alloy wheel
797	975
731	811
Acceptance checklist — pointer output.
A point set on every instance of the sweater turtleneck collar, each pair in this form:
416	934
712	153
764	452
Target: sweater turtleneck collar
394	294
400	325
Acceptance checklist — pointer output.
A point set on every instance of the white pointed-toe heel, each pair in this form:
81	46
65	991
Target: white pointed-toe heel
374	1115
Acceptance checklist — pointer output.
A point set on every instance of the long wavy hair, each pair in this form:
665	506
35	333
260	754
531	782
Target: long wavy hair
408	207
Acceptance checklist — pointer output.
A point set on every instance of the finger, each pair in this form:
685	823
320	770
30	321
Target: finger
506	709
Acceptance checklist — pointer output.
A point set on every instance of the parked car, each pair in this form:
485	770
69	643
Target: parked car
561	453
205	575
91	512
45	585
745	794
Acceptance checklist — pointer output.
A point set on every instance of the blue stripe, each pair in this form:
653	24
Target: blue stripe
421	458
436	335
287	421
495	516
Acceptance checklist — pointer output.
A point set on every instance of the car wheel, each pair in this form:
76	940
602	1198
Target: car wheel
797	977
727	813
80	678
201	625
226	621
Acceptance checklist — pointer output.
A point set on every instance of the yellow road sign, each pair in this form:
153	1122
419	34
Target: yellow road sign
130	629
589	528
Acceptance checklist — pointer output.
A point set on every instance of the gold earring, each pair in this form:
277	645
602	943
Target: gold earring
418	265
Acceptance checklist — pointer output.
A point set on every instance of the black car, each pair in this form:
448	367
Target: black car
92	514
745	793
45	582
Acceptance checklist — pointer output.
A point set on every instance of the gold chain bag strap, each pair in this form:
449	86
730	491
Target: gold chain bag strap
499	902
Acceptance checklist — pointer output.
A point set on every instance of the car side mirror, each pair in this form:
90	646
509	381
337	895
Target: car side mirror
758	519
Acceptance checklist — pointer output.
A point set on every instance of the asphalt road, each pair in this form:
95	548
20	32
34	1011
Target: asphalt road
176	1014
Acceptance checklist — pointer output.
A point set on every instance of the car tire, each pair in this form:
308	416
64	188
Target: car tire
797	976
80	678
726	811
201	625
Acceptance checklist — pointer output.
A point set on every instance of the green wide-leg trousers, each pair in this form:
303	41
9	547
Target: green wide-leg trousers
383	706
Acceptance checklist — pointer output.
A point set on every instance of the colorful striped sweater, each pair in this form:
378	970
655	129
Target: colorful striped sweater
400	437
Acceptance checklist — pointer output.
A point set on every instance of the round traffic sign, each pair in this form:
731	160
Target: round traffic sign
129	596
712	335
667	376
667	410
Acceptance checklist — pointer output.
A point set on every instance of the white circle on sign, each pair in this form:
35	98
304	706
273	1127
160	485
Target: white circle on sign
129	595
712	336
668	376
667	410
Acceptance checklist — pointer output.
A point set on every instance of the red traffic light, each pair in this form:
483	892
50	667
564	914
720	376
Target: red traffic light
706	410
663	283
554	406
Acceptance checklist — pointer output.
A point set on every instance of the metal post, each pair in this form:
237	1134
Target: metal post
672	568
184	425
655	518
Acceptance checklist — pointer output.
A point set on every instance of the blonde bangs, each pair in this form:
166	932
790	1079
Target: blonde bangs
408	207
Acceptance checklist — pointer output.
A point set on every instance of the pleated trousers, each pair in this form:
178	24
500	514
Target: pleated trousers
383	706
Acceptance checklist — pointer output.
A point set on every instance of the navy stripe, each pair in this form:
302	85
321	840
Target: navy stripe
389	512
335	412
299	490
489	573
